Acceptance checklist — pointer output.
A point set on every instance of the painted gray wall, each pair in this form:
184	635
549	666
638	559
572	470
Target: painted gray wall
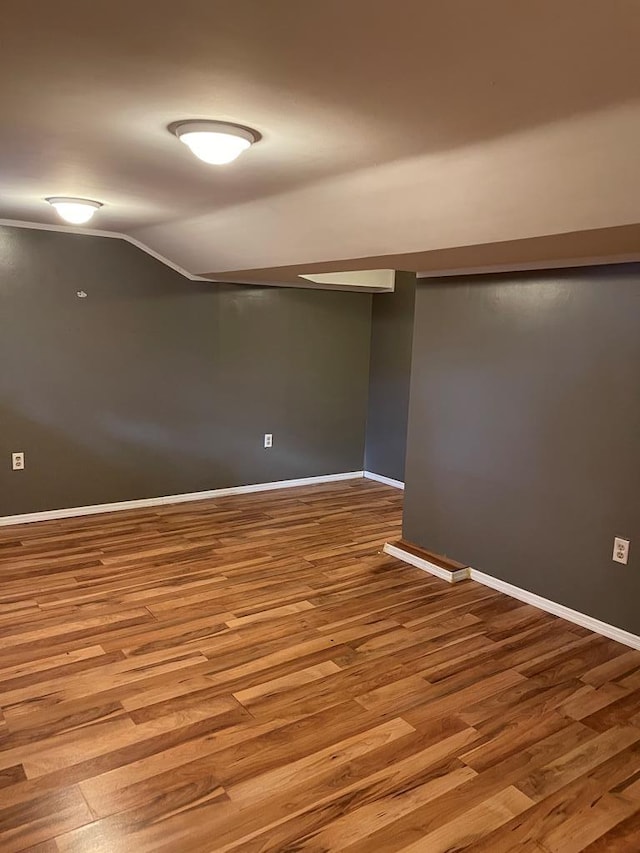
390	373
524	432
154	385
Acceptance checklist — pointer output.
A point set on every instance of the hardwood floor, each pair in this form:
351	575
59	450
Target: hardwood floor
253	674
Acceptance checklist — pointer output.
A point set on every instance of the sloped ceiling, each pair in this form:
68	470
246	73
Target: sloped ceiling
396	129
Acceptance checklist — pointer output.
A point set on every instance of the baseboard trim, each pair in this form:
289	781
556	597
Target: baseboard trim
595	625
451	576
94	509
397	484
532	598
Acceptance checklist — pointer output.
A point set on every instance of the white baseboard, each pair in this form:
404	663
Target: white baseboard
425	565
595	625
532	598
397	484
94	509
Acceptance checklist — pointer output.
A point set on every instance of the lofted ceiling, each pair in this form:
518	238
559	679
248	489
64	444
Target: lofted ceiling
430	135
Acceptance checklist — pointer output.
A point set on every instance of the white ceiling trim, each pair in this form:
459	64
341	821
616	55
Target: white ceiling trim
94	232
491	124
365	279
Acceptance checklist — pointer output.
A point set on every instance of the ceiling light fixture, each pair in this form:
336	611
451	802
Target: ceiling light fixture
74	210
215	142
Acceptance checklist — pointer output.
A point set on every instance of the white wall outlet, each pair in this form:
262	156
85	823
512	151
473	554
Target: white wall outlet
268	439
17	461
621	550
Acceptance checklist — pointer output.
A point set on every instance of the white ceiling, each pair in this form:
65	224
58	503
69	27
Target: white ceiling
390	127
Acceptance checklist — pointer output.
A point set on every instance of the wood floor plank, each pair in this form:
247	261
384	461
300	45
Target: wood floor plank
572	801
41	819
474	824
253	673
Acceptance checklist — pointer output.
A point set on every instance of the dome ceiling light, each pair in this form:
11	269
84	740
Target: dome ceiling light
215	142
74	210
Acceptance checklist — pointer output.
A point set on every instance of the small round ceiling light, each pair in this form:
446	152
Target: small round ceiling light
215	142
74	210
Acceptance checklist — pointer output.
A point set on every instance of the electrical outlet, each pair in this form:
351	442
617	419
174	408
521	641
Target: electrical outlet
17	461
268	439
621	550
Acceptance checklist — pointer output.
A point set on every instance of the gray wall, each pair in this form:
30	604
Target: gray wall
524	432
390	373
154	385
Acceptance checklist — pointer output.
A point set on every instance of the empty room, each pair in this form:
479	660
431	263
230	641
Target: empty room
320	426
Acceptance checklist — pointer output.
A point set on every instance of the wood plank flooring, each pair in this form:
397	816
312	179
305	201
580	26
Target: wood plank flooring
253	674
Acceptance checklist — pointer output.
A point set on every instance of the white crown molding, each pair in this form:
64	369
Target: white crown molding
143	247
94	232
397	484
119	235
532	598
94	509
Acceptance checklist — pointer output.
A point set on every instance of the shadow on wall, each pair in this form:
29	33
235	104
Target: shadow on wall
524	418
112	400
153	385
80	472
